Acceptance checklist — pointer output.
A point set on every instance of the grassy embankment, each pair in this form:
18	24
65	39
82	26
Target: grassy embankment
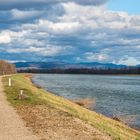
37	96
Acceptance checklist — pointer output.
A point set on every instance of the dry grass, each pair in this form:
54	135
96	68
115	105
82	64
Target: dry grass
86	102
28	75
53	124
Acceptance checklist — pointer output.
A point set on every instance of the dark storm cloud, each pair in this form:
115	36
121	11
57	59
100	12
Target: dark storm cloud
26	4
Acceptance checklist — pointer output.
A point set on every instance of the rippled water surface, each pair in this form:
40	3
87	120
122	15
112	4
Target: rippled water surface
115	95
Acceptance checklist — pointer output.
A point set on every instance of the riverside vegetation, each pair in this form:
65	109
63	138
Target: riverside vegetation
53	117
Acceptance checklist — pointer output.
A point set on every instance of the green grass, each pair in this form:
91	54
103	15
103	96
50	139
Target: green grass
37	96
13	92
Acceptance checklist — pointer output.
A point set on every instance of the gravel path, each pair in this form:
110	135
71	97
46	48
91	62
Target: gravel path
11	125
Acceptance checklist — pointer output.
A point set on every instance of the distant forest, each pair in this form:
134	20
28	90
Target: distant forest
129	70
7	68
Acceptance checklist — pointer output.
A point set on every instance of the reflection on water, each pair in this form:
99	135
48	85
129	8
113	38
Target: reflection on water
115	95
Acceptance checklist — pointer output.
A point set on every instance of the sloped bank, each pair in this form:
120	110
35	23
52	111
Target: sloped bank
54	117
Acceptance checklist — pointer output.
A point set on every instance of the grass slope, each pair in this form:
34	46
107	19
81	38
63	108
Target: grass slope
37	96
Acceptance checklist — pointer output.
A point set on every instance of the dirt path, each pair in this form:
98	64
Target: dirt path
11	126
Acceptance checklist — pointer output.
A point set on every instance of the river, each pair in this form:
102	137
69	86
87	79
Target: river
117	96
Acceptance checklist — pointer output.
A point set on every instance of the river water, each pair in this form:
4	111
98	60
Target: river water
117	96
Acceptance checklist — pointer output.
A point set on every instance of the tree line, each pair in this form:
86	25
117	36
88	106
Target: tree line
7	68
128	70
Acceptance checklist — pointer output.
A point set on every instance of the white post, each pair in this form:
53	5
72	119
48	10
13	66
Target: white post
10	82
21	92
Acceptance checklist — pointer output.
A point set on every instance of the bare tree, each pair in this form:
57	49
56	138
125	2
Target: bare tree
6	68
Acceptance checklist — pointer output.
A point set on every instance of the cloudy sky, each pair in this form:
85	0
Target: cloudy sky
106	31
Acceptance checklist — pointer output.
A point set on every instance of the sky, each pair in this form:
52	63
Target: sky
132	7
105	31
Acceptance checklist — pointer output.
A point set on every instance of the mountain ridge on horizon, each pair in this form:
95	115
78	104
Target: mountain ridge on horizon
66	65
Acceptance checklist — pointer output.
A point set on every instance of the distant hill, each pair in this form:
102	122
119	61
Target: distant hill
64	65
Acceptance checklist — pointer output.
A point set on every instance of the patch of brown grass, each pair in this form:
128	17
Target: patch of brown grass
86	102
28	76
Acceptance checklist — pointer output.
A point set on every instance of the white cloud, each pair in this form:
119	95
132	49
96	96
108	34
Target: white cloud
53	28
5	38
31	42
51	51
60	27
45	51
130	61
88	19
24	15
96	57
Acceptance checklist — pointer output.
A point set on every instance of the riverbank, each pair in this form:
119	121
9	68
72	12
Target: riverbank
53	117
